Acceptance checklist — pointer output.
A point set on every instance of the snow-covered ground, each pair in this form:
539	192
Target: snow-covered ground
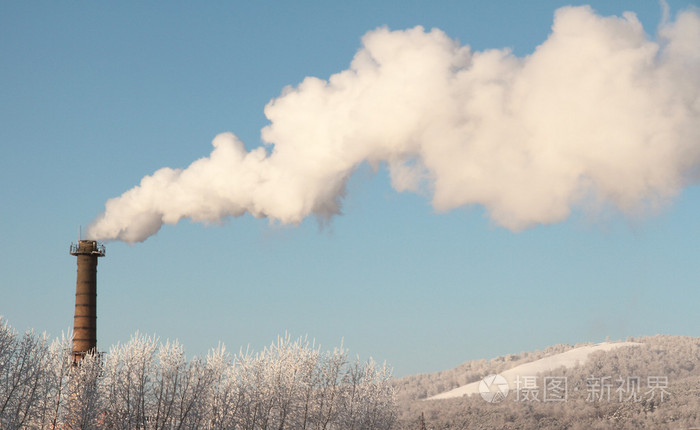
566	359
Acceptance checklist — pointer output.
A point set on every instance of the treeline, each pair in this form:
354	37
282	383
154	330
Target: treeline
674	360
146	384
416	387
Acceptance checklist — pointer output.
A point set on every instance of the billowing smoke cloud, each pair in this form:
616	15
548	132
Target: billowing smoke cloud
598	115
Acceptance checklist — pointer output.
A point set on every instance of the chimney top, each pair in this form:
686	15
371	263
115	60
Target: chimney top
87	247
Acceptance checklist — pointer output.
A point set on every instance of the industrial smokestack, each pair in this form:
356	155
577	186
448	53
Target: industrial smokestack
85	321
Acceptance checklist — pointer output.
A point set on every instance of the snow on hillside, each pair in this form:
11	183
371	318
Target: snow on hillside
566	359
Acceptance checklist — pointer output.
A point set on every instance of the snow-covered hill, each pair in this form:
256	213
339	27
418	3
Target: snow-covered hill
566	359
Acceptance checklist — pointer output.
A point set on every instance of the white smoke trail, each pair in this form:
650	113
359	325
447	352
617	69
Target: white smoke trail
597	114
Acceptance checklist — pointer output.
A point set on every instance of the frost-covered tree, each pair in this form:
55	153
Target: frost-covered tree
145	384
128	370
23	363
84	408
368	381
55	392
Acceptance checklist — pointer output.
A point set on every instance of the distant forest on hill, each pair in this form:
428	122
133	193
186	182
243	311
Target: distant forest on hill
621	389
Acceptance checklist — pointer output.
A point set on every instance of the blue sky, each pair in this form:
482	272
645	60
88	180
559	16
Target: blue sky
95	96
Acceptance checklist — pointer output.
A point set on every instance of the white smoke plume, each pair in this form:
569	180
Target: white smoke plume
598	114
